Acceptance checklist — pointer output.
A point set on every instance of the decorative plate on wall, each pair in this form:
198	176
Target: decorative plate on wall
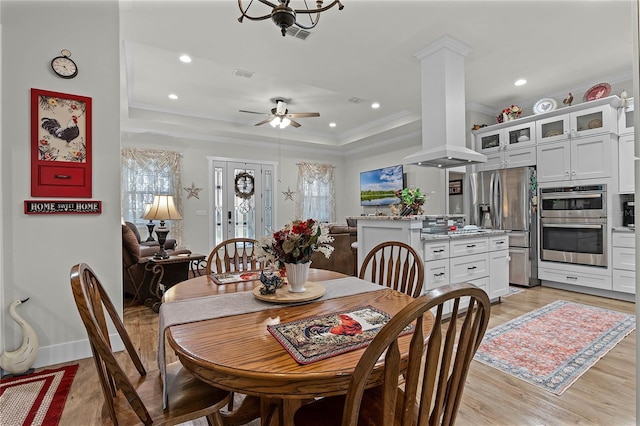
545	105
600	90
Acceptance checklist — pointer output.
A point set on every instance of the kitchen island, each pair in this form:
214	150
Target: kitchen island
481	257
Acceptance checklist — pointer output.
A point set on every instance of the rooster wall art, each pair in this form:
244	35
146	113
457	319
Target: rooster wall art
62	125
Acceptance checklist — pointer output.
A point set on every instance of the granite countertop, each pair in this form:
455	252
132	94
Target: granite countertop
405	218
482	233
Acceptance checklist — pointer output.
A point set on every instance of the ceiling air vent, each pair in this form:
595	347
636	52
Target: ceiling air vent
243	73
298	33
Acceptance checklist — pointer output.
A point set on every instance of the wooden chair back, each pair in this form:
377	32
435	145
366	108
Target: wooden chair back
396	265
142	394
235	254
434	371
431	393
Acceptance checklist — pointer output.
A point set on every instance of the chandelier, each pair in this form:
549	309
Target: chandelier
284	16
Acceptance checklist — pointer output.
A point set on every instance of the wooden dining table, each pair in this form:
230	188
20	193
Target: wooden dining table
238	353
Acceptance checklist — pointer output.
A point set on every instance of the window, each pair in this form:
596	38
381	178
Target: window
316	190
146	173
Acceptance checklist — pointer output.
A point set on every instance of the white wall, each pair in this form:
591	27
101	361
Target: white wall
39	250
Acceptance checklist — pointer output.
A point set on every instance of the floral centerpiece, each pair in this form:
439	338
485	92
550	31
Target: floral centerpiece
411	201
510	113
293	245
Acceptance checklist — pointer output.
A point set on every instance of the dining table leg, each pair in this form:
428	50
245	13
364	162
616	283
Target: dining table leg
248	410
279	411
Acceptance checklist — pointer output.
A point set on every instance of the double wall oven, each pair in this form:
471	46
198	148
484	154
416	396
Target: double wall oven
573	224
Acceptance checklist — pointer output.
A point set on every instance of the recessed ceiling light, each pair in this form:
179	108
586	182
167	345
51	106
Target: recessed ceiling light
173	96
375	105
520	82
332	124
185	58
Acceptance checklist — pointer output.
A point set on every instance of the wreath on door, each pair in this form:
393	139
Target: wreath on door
244	185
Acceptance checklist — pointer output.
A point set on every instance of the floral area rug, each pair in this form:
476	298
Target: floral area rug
319	337
553	346
35	399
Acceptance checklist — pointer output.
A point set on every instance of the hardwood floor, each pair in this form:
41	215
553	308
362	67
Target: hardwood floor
605	394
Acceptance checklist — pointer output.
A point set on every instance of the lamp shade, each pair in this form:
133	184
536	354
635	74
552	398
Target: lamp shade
163	208
147	210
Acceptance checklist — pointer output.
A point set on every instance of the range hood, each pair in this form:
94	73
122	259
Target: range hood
443	107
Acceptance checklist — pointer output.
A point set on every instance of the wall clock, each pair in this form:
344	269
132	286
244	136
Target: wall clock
64	66
244	185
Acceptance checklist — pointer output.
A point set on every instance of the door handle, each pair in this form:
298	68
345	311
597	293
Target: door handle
229	216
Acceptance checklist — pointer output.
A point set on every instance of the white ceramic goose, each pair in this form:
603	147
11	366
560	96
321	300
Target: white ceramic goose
21	360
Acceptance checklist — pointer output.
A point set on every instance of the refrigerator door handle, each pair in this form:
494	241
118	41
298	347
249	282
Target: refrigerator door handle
496	208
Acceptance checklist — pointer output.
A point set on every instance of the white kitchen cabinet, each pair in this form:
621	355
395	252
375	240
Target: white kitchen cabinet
512	146
581	122
480	260
498	266
573	274
624	262
625	119
509	158
582	158
626	183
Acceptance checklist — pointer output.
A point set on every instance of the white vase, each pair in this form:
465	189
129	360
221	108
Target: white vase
297	275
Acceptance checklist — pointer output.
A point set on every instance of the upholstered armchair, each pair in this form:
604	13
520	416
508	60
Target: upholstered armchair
135	255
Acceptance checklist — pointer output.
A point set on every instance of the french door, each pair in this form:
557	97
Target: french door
243	200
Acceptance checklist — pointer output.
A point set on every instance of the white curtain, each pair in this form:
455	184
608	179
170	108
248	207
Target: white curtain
316	192
146	173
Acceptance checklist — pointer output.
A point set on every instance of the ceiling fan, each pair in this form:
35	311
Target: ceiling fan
281	117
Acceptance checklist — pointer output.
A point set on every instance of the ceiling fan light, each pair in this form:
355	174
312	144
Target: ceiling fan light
284	123
275	122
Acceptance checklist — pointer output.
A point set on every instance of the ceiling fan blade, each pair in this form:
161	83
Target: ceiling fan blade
295	123
263	122
303	114
253	112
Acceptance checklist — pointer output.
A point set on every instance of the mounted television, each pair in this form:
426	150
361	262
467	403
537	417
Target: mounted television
378	187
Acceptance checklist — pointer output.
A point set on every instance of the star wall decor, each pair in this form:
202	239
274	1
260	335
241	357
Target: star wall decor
193	191
288	194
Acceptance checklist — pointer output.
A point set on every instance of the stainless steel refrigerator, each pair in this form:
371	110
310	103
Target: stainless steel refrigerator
504	199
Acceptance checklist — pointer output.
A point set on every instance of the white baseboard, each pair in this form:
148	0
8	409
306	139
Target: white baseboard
72	351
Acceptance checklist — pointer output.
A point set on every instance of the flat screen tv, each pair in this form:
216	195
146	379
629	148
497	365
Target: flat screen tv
378	187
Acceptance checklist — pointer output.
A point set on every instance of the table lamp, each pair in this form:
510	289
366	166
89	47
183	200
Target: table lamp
163	208
150	225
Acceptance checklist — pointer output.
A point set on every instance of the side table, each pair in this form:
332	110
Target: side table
165	273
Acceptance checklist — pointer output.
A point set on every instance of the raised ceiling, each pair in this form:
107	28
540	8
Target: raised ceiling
366	52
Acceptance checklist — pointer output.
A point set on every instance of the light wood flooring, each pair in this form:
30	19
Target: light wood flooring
604	395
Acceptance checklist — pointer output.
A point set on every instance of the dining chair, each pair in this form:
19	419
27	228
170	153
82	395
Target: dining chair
138	398
396	265
434	372
235	254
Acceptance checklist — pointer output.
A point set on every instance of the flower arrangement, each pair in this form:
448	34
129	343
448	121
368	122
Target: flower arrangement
294	243
510	113
411	200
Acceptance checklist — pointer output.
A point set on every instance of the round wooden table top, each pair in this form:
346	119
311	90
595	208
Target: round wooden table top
205	286
239	354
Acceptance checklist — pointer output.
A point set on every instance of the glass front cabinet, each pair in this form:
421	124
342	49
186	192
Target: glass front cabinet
587	122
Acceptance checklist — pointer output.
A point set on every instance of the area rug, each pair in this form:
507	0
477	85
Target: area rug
553	346
319	337
35	399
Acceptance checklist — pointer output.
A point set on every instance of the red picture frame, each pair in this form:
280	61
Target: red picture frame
60	145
